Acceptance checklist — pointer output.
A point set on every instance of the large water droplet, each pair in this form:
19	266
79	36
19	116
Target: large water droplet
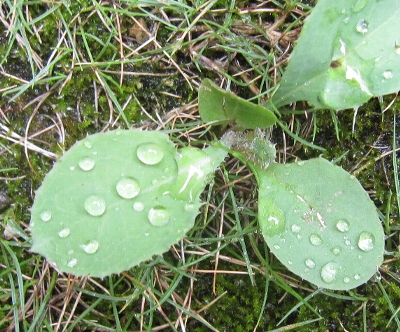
95	205
138	206
64	233
45	216
158	216
150	153
72	262
91	247
86	164
127	188
329	272
366	241
315	239
343	225
310	263
362	26
387	74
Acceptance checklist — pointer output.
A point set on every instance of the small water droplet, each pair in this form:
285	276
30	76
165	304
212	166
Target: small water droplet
362	26
72	262
127	188
357	276
71	252
336	251
301	163
138	206
315	239
146	234
290	262
91	247
310	263
329	272
277	247
397	49
154	182
343	225
338	193
387	74
118	132
189	207
95	205
87	144
366	241
352	177
72	168
158	216
346	280
295	228
64	233
150	153
86	164
45	216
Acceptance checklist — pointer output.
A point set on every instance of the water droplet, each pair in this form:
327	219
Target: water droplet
86	164
158	216
45	216
118	132
362	26
397	49
138	206
290	262
127	188
72	168
310	263
336	251
357	276
366	241
72	262
329	272
277	247
146	234
88	144
301	163
70	252
352	177
315	239
295	228
346	280
64	233
388	74
150	153
91	247
95	205
343	225
189	207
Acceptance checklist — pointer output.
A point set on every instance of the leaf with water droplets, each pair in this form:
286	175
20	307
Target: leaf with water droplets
116	199
319	218
347	52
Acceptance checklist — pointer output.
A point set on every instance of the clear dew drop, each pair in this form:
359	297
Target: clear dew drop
362	26
315	239
138	206
95	205
150	153
397	49
159	216
387	74
346	280
72	262
64	233
90	247
329	272
366	241
295	229
310	263
277	246
336	251
189	207
343	225
87	144
127	188
86	164
301	163
72	168
357	276
45	216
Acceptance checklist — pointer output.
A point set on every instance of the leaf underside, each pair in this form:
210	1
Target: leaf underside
320	223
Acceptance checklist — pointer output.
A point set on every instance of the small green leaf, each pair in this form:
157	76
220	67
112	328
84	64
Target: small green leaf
109	204
320	223
348	51
216	104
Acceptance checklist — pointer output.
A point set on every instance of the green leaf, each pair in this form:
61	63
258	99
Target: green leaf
115	199
320	223
216	104
348	51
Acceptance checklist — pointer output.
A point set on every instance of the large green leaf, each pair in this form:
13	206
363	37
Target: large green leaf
216	104
348	51
320	223
116	199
